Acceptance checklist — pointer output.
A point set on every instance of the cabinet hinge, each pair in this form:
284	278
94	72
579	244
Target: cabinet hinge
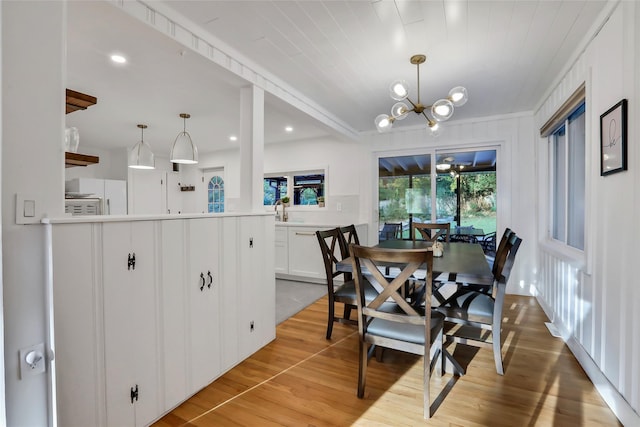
250	242
131	261
134	394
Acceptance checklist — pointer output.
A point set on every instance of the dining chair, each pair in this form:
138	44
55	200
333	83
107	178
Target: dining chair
332	246
431	231
389	321
488	243
350	235
482	311
390	231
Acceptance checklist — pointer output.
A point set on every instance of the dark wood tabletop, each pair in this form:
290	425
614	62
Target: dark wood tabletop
458	258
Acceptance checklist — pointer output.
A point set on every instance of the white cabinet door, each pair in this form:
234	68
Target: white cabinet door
174	306
130	327
305	258
281	254
230	308
203	290
256	287
79	380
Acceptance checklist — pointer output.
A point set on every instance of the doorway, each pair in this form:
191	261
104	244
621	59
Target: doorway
461	185
213	180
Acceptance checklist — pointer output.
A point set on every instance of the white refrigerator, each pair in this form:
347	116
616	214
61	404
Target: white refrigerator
113	192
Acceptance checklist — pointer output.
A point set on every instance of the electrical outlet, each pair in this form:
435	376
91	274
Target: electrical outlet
339	206
32	361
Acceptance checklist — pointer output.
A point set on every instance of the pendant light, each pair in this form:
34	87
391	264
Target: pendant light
183	150
440	111
140	155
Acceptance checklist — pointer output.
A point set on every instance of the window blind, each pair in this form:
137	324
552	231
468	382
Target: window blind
563	112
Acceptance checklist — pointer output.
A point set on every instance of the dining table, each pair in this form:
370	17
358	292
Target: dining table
458	259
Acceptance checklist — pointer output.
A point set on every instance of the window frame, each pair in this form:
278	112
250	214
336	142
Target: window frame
290	175
561	246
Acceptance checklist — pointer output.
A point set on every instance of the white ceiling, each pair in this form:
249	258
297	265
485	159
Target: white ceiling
340	54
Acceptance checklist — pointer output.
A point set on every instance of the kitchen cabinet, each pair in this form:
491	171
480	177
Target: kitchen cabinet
113	193
281	255
78	333
305	258
130	327
203	289
247	293
174	308
297	251
256	291
134	341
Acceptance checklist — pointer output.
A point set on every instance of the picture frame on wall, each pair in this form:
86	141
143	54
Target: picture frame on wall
613	139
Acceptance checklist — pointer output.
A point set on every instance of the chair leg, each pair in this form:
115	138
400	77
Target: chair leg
426	375
330	319
362	369
347	312
497	350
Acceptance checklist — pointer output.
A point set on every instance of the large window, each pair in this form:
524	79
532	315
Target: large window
567	162
302	188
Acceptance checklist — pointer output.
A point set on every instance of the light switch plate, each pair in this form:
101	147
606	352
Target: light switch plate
28	209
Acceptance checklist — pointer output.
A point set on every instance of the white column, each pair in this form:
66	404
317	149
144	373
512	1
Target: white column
251	149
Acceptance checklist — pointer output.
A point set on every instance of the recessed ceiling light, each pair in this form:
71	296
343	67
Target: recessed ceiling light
233	138
288	129
118	59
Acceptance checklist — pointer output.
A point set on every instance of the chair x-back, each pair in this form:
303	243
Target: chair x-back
431	231
388	320
332	245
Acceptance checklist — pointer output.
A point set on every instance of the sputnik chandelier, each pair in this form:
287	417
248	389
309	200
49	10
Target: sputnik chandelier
441	110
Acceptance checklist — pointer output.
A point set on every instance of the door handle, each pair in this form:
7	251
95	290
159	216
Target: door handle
202	284
210	279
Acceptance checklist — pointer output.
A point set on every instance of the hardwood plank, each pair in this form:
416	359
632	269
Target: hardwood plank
303	379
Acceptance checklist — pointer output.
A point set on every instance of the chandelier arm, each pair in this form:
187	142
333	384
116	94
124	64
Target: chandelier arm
413	103
429	121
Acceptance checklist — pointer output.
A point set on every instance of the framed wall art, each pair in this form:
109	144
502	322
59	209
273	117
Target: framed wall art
613	139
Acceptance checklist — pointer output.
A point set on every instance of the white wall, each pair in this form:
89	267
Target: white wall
33	67
594	299
347	171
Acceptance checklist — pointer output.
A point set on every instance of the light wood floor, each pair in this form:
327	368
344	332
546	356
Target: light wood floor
301	379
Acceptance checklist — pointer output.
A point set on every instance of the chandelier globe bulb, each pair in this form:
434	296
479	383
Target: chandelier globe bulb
458	96
399	90
442	110
400	110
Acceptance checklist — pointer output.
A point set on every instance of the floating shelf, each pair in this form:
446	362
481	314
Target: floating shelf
75	159
79	101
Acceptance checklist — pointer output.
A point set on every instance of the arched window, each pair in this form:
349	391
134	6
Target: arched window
215	195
